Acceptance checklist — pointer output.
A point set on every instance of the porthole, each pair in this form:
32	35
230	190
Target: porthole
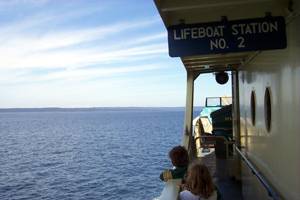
268	110
253	107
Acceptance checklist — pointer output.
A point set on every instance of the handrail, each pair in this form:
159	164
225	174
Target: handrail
267	186
212	136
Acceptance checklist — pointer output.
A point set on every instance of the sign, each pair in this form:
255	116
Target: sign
227	36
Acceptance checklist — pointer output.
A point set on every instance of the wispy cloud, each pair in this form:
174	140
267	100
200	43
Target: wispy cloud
59	48
21	58
76	74
16	38
5	3
51	50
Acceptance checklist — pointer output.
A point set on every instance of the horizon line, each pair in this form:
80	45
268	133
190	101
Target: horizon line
95	107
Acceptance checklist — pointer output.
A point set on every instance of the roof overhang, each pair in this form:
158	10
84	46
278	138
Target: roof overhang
174	12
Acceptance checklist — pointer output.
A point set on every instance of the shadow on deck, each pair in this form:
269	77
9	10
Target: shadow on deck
221	171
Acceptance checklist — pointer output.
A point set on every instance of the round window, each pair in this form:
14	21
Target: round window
253	107
268	111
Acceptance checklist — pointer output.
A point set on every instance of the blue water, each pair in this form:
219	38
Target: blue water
103	154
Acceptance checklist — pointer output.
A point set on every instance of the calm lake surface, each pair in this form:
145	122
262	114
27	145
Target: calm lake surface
101	154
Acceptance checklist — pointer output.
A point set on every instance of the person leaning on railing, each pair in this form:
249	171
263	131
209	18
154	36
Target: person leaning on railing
180	160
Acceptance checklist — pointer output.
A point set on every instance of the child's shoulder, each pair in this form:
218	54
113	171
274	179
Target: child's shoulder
179	172
187	195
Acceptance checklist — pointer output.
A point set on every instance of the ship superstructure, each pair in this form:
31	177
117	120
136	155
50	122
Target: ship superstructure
258	42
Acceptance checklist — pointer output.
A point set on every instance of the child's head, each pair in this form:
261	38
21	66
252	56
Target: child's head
179	156
199	181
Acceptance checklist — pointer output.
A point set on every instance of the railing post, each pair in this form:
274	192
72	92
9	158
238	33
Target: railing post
236	107
236	120
188	141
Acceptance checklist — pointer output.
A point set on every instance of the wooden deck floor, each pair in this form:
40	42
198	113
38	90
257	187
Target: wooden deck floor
220	171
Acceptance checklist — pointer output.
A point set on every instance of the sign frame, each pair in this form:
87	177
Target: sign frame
227	36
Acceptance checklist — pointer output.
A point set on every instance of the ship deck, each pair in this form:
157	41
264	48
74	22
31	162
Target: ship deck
220	169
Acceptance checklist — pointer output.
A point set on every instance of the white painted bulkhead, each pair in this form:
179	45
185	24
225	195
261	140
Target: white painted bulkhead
275	153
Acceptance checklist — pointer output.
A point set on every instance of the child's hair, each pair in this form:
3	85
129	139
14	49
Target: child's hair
199	181
179	156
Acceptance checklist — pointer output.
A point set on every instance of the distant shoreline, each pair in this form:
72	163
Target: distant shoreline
58	109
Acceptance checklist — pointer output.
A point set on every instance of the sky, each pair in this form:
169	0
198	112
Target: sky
90	53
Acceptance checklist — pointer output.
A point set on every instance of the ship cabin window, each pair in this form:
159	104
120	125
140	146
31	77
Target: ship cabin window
253	107
218	101
268	111
213	102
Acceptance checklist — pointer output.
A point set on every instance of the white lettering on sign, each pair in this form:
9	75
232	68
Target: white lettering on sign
241	42
254	28
218	31
199	32
218	44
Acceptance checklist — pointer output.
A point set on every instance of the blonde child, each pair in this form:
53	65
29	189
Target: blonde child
199	184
